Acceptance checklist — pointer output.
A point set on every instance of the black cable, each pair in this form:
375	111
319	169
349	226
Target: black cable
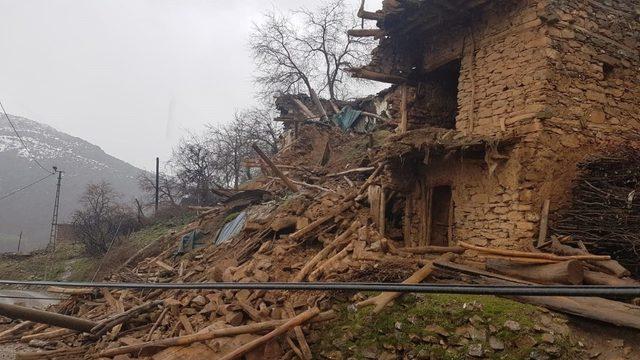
22	141
24	187
503	290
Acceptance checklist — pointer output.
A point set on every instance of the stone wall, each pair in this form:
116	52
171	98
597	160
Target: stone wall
594	101
563	75
493	209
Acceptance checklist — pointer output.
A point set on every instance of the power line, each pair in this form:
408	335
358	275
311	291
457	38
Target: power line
22	141
501	290
25	187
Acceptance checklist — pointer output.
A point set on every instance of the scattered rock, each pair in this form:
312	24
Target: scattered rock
496	343
548	338
538	354
475	350
512	325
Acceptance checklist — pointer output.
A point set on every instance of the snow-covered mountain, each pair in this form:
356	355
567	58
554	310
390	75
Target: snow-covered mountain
83	163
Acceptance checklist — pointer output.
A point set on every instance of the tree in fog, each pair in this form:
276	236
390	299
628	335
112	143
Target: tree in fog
101	218
169	190
193	162
308	49
216	156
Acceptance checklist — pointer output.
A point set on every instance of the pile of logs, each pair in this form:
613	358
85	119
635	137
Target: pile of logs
605	213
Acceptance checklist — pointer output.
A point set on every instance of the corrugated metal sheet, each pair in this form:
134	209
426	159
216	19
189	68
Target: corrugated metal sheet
232	228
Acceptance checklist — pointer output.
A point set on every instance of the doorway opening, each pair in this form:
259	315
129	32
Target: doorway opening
441	221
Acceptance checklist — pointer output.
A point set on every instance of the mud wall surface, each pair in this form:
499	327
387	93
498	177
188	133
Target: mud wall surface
593	103
488	209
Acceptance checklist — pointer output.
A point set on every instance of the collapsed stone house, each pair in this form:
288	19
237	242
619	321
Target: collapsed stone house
497	101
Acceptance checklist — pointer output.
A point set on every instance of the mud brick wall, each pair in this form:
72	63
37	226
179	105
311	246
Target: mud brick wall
489	209
594	101
504	73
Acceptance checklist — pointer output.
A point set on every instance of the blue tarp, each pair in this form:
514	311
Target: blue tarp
346	117
231	228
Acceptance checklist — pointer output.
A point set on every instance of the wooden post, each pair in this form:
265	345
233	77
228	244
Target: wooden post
275	169
46	317
544	222
157	197
402	128
382	214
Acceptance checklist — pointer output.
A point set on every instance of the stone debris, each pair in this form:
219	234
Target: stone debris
442	177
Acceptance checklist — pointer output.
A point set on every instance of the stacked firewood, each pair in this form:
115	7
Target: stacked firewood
605	213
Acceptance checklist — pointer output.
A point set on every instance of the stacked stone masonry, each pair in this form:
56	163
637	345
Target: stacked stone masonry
561	75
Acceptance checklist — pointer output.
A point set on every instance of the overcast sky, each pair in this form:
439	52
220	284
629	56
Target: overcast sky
130	75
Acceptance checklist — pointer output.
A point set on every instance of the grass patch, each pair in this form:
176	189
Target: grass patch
436	327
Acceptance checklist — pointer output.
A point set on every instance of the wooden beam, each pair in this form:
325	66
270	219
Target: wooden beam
404	120
375	33
275	169
368	15
46	317
362	73
544	222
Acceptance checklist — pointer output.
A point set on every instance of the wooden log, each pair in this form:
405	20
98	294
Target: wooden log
109	323
305	110
338	241
304	346
48	335
274	168
157	323
567	272
206	334
533	255
70	291
280	330
318	104
599	278
370	179
609	266
368	15
51	354
362	73
46	317
315	274
314	225
16	329
433	250
375	33
609	311
404	120
383	299
352	171
613	312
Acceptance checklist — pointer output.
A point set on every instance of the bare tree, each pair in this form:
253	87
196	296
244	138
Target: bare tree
169	190
193	160
231	143
101	218
308	49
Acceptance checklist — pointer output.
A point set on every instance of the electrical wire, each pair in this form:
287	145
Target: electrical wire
22	141
502	290
24	187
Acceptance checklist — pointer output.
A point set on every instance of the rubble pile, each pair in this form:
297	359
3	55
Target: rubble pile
327	231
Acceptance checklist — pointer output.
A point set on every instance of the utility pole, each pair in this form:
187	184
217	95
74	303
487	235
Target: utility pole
19	242
157	182
54	219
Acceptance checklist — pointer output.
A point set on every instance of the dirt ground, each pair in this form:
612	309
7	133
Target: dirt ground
606	342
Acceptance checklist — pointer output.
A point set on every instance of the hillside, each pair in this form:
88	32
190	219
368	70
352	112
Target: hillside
82	162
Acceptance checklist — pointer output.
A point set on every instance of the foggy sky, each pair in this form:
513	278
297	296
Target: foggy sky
129	75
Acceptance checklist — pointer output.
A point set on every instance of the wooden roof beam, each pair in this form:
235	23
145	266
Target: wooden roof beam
368	15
